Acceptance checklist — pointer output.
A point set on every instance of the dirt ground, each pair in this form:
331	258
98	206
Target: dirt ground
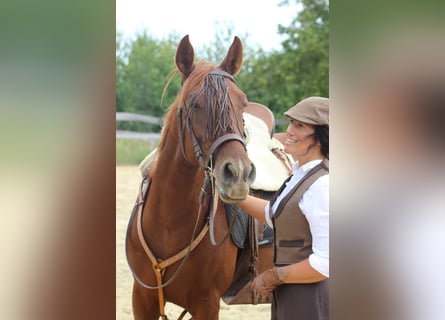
127	183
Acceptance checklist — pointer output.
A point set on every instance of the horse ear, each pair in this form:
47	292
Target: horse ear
234	58
185	56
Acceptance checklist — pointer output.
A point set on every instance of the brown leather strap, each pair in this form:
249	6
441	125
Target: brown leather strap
222	73
159	273
183	313
164	264
212	213
281	155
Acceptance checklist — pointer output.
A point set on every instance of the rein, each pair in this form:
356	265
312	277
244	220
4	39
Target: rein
214	205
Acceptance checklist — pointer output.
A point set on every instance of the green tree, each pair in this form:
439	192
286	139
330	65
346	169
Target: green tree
281	78
143	66
306	59
278	79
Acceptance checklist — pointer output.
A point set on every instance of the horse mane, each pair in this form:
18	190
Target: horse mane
217	103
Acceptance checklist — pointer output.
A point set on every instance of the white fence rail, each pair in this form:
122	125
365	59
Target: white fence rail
127	116
151	137
145	136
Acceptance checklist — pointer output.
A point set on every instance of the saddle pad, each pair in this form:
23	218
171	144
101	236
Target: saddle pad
240	228
270	171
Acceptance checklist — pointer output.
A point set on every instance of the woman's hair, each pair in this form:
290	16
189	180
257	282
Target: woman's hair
322	134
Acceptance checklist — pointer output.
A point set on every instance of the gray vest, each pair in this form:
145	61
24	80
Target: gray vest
292	236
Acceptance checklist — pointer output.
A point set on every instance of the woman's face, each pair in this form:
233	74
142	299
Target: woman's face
301	142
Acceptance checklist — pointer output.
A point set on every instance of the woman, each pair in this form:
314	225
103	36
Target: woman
299	214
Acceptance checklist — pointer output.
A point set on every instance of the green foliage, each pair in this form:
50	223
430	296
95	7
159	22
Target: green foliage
277	79
143	67
308	37
216	50
282	78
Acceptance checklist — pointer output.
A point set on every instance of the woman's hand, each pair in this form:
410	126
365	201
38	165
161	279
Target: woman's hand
266	282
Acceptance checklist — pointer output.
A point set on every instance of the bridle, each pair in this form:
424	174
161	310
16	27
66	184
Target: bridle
205	161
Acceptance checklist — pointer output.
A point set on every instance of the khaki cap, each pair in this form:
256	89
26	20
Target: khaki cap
312	110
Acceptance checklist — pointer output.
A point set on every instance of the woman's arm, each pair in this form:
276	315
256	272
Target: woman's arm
300	272
255	207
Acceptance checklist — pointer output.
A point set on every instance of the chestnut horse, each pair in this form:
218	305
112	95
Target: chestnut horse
201	157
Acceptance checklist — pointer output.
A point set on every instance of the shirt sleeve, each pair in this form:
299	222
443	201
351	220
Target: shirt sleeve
315	206
266	214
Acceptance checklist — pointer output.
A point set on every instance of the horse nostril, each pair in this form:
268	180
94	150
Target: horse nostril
252	174
232	173
229	172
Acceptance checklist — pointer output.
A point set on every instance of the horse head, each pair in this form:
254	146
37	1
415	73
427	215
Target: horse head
210	108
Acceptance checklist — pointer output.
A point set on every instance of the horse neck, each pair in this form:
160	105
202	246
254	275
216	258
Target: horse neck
172	167
173	214
177	181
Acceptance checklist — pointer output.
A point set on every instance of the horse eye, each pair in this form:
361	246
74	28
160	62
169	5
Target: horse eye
194	105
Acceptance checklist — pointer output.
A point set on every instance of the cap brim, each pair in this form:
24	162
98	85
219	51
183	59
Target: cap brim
301	119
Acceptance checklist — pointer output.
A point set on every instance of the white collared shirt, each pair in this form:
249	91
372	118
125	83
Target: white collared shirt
314	204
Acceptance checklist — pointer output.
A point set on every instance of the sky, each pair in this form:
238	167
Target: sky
200	18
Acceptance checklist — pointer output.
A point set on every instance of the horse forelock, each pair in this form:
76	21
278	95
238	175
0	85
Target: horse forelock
219	107
212	92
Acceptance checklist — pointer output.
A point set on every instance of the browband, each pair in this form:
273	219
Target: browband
223	74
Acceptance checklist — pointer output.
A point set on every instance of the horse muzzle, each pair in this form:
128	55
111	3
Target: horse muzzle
233	180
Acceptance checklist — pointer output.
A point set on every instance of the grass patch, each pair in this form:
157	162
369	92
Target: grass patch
131	152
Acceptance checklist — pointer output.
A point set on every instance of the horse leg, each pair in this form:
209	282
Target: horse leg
205	309
145	304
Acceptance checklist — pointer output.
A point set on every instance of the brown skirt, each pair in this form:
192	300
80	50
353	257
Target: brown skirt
301	301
